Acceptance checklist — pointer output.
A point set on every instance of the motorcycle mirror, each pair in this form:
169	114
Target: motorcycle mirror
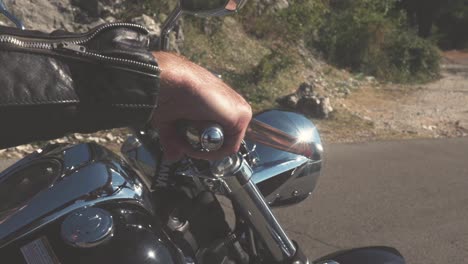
10	16
208	8
201	8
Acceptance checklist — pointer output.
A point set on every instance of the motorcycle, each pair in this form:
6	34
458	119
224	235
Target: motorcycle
86	204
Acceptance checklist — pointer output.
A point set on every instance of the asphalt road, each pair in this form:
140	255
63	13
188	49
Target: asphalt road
412	195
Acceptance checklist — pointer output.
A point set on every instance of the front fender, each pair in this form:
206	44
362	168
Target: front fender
367	255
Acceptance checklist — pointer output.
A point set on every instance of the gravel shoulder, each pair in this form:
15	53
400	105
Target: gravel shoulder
433	110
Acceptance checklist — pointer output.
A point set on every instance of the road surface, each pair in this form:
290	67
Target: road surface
412	195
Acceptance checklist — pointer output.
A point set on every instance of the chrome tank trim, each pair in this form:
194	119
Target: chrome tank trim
102	178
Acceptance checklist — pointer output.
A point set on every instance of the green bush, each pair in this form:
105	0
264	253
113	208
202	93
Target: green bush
271	65
295	22
370	36
451	24
411	58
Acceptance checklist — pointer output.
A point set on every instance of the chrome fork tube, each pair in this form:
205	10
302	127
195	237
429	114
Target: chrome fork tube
235	174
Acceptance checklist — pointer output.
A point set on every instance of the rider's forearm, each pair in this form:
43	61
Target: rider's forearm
21	125
48	92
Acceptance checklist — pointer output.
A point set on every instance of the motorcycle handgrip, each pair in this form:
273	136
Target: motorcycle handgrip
207	136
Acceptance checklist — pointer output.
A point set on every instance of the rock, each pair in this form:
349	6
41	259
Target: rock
93	139
110	19
69	15
280	4
112	7
43	15
306	89
78	137
289	101
326	107
149	23
411	132
346	91
96	23
461	124
13	155
370	79
307	101
21	148
461	128
92	7
430	128
110	137
60	140
154	29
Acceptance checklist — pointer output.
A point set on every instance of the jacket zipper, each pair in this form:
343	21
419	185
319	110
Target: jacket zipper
76	46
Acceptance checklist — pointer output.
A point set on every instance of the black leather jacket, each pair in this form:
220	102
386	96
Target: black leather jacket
53	84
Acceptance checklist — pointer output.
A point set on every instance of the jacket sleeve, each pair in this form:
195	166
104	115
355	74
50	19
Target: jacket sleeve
59	83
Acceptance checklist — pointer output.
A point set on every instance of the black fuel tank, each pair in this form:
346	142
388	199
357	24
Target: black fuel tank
65	186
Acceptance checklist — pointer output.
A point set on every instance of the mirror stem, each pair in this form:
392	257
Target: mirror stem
10	16
168	26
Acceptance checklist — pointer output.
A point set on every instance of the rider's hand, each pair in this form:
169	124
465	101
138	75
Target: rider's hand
190	92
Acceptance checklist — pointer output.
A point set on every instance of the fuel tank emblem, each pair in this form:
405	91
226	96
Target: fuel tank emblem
87	227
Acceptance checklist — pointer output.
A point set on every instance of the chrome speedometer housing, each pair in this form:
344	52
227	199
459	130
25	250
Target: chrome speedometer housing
286	178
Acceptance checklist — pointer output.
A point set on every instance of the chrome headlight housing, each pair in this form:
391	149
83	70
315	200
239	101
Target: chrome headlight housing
285	178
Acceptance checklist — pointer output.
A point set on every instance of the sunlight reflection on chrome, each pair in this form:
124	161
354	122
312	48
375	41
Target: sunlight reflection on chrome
305	136
151	254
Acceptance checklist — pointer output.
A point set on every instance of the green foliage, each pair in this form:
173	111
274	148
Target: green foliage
371	36
411	58
156	9
297	21
265	82
271	65
451	25
301	18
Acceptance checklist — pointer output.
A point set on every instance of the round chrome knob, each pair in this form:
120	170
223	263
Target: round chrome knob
212	138
206	138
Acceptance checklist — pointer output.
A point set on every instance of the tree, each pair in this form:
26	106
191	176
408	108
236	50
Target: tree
452	22
422	14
